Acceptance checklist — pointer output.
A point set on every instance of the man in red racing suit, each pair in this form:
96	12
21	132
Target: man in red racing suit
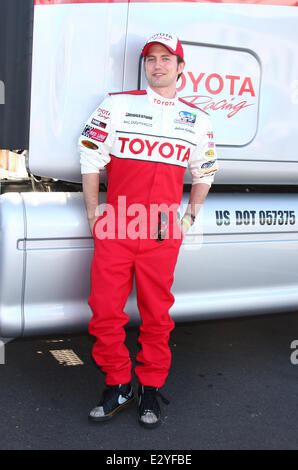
144	140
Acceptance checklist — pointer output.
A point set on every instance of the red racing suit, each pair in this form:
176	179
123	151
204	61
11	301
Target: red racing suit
145	142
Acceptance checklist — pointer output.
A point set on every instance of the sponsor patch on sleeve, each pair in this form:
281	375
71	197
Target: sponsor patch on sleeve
208	164
98	135
98	123
89	145
95	134
103	113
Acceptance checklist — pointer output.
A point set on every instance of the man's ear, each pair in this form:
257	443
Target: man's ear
181	66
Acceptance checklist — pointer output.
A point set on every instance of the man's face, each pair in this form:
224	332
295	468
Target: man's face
161	67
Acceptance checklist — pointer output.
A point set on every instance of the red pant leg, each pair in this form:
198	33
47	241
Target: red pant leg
111	283
154	269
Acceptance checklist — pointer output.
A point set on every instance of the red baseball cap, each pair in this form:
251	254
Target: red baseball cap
169	40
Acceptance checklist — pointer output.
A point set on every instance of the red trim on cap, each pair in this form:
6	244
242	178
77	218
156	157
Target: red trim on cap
133	92
178	51
192	105
146	47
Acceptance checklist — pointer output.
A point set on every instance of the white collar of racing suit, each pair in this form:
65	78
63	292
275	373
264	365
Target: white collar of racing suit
160	101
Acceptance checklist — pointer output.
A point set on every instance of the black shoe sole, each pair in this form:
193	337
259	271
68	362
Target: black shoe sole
109	416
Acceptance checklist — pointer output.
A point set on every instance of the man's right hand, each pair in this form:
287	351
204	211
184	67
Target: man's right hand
91	195
92	222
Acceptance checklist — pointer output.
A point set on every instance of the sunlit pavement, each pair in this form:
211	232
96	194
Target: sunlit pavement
232	385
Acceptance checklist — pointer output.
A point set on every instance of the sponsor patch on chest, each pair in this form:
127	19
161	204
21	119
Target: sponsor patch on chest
186	117
173	152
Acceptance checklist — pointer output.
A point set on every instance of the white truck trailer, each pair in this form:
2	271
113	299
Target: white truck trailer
241	255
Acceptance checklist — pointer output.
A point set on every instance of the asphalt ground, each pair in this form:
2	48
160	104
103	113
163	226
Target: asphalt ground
231	386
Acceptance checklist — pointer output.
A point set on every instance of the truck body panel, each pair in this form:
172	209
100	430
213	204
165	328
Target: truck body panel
232	262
